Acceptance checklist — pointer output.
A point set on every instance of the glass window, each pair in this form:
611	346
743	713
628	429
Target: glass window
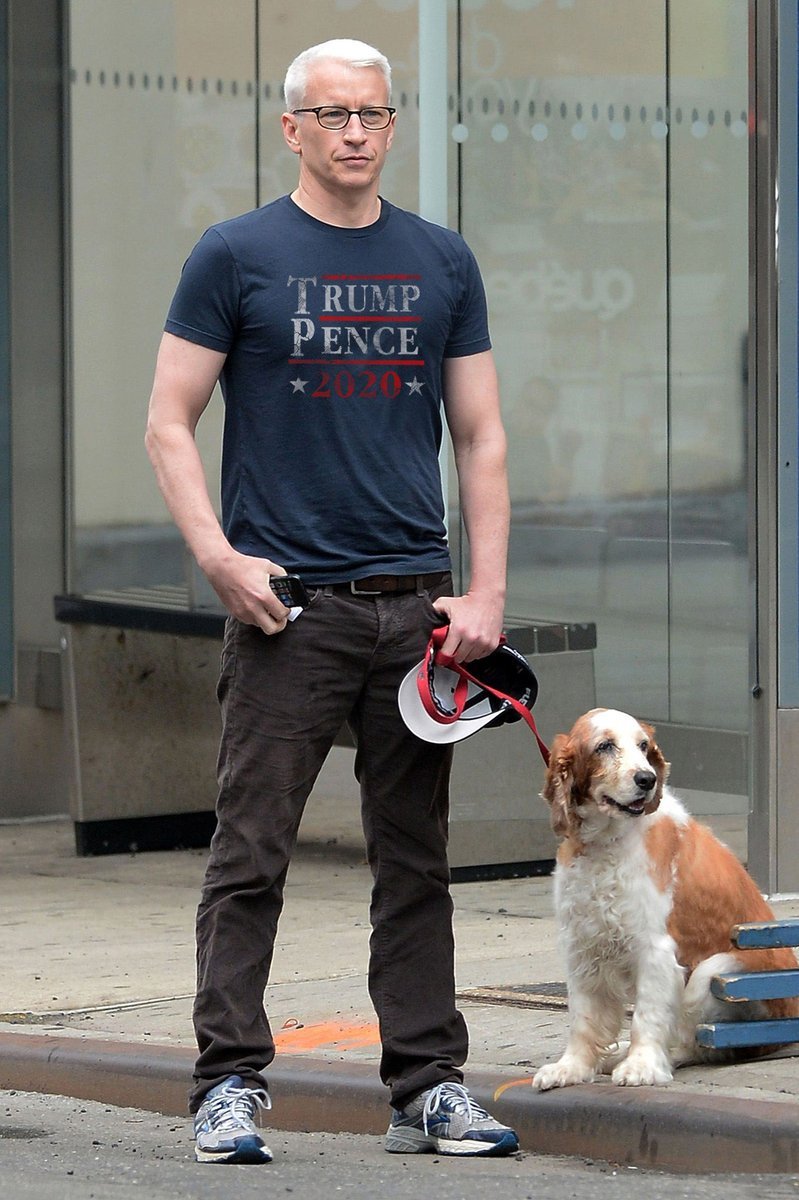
175	124
614	247
708	322
162	144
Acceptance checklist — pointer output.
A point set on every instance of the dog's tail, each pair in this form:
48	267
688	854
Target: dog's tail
700	1006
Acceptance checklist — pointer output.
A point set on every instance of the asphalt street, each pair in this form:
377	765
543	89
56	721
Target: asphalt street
56	1148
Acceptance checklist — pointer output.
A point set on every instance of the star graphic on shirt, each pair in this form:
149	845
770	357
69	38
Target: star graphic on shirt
415	386
299	385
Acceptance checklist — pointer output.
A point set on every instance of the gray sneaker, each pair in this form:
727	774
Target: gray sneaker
224	1129
447	1120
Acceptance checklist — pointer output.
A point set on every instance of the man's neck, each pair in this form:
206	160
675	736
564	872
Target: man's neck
349	211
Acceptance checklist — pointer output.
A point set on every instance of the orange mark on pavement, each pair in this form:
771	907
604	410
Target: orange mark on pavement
327	1033
526	1082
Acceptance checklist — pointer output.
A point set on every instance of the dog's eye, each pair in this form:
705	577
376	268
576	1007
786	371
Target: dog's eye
643	746
606	746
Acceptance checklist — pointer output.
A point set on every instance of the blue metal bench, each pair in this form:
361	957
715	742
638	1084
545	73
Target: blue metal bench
755	985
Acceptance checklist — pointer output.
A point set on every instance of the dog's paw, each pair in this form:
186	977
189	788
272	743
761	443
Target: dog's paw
643	1069
562	1073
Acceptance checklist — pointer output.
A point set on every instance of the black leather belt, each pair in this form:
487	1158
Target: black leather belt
379	585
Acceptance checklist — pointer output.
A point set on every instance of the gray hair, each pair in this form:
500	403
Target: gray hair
345	50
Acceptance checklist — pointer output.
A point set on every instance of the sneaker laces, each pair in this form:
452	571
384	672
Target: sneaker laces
235	1107
455	1097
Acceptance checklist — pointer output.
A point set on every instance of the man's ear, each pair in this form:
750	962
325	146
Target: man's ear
291	128
557	790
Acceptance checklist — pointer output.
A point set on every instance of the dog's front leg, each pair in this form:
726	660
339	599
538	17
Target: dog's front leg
657	1005
595	1023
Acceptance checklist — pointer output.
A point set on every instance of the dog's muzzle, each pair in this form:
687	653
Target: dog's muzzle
645	781
634	809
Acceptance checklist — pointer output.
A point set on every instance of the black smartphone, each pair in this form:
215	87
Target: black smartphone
290	590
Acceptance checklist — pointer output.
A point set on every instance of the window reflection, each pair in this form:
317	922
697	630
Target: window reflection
615	251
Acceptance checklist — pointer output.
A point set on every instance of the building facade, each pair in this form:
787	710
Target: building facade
613	165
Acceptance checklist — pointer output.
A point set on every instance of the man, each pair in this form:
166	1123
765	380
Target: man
335	322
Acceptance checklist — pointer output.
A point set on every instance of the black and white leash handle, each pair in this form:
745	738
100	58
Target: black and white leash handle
434	655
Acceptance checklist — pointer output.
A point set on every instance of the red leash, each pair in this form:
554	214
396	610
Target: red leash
447	716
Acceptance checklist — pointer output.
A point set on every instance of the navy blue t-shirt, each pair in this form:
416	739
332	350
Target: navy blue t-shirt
335	339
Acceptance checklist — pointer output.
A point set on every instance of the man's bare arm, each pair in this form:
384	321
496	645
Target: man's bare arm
185	376
471	400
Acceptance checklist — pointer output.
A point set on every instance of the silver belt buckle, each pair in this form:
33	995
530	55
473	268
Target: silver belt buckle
356	591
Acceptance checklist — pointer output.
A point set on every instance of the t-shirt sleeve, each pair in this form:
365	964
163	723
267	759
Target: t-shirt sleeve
470	333
205	306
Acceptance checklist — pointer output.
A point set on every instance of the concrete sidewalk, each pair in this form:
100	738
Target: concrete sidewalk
99	970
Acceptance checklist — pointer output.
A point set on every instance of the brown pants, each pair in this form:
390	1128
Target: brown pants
284	699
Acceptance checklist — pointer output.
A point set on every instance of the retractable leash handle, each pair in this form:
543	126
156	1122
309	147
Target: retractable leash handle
437	639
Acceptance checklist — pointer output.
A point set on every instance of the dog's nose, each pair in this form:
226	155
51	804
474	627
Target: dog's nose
645	780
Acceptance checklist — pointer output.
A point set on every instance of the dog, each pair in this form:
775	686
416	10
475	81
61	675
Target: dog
646	898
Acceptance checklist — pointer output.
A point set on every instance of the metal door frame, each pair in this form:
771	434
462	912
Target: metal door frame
774	450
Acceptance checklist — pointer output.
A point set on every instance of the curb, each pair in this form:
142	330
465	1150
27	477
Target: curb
669	1129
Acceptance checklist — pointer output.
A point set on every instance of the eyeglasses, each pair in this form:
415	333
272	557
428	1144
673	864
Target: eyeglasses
330	116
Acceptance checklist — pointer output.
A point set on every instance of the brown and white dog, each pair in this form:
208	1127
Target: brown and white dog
645	899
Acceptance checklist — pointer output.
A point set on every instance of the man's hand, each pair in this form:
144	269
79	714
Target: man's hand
475	625
242	584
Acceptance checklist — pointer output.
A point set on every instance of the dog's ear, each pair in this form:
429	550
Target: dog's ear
557	790
659	765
